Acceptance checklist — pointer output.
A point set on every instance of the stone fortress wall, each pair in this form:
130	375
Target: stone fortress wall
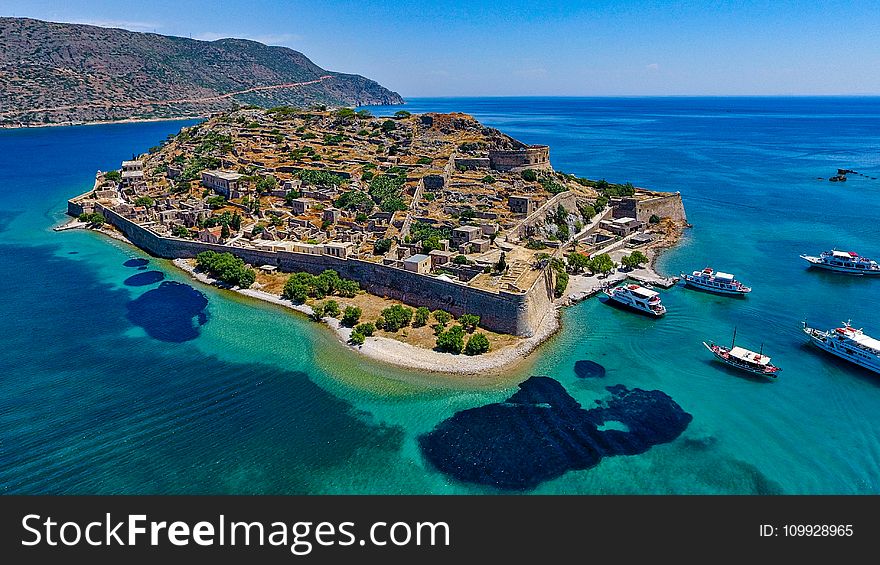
529	157
517	313
661	204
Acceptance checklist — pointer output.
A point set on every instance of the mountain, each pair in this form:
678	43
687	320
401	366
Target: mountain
62	73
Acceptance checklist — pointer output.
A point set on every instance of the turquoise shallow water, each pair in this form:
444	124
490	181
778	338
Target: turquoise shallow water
103	388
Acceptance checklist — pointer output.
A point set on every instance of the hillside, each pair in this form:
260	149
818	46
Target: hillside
60	73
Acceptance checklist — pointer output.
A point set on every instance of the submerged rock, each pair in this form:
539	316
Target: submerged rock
135	262
145	278
171	312
541	432
588	370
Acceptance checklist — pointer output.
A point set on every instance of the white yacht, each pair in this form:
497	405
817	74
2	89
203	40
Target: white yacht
638	298
844	262
848	343
715	281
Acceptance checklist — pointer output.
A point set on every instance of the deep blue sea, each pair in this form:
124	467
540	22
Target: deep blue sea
118	374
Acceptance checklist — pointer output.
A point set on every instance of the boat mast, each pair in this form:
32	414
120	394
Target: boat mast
733	341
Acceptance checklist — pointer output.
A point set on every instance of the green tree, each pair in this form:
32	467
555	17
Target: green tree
577	262
477	344
396	317
420	318
331	308
402	114
298	287
602	264
329	281
227	268
452	340
114	176
430	244
224	231
388	125
145	201
460	260
469	322
488	179
215	202
367	328
380	323
381	246
347	288
345	113
351	315
654	219
355	200
442	316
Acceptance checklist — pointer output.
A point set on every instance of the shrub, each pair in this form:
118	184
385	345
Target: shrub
331	308
351	315
145	201
388	125
402	114
443	317
380	323
654	219
488	179
366	329
529	175
396	317
469	322
424	161
357	338
420	317
477	344
452	340
561	283
317	312
460	260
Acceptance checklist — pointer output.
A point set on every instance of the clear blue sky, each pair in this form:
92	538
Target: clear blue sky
534	47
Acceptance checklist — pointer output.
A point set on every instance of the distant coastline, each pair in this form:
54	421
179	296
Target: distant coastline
100	122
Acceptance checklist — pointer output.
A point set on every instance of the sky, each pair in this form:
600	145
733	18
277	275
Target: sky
536	47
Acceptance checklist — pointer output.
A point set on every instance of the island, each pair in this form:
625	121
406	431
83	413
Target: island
427	241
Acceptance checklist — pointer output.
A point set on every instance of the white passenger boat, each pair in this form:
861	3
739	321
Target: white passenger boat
848	343
638	298
844	262
715	281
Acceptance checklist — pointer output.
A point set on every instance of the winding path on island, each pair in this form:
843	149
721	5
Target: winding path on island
136	103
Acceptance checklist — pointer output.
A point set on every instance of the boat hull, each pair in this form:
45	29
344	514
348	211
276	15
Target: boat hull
832	350
713	290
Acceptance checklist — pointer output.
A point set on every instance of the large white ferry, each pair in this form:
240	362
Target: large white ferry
638	298
848	343
844	262
715	281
